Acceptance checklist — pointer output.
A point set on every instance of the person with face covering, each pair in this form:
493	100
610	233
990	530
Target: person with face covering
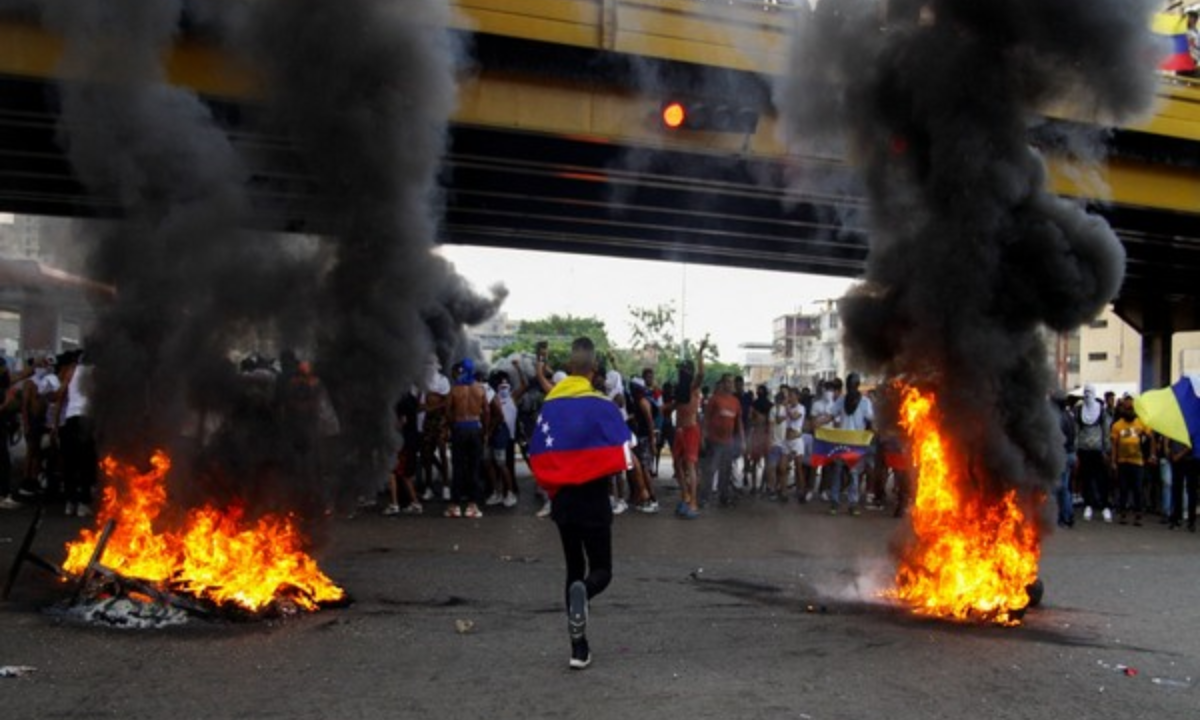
853	411
1091	429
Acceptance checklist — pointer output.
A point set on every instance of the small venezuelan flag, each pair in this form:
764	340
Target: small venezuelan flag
831	444
1173	28
580	436
1174	411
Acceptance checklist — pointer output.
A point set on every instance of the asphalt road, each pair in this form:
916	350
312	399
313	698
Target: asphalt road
761	611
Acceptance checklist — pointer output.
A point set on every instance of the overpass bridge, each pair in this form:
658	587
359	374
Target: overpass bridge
556	145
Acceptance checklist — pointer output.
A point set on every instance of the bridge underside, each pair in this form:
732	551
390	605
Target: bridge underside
563	193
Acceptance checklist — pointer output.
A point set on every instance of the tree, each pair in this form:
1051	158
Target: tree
655	343
558	331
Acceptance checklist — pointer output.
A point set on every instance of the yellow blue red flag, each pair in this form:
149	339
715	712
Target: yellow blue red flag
1173	28
580	436
831	444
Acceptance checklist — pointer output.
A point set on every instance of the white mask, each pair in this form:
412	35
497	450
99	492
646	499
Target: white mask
39	373
828	396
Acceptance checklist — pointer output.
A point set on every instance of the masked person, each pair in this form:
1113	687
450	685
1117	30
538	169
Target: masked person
580	442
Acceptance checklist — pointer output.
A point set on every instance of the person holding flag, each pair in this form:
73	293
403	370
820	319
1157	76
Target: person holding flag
846	445
579	443
1174	412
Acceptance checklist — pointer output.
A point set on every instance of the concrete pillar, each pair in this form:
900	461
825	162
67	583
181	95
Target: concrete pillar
40	329
1156	359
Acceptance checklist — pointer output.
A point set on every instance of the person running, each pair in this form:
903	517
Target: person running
581	441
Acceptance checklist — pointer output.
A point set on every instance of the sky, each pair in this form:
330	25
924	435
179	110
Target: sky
734	305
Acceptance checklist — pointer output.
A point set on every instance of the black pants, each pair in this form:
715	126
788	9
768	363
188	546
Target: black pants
1129	479
466	456
588	552
5	467
1094	476
79	459
1184	471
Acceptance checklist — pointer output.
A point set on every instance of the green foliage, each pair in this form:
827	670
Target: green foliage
559	331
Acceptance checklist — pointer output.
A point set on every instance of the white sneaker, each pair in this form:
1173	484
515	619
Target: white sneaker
70	511
446	494
510	500
413	509
619	507
1107	515
493	499
428	494
649	507
392	509
7	503
808	496
1087	513
545	511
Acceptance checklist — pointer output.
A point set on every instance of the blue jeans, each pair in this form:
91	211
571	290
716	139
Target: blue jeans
1066	509
839	474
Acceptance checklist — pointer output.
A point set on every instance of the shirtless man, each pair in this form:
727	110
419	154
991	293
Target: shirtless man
468	414
687	434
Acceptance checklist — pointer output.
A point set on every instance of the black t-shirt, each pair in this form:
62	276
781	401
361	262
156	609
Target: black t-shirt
585	504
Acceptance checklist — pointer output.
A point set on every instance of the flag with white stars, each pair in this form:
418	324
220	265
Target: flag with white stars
580	436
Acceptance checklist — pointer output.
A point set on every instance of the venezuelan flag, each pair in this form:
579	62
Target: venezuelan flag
1173	411
1173	28
831	444
580	436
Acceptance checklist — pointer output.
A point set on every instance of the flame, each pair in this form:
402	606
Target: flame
217	554
972	557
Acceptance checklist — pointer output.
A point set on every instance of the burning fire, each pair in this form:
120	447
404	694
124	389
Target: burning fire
972	557
217	554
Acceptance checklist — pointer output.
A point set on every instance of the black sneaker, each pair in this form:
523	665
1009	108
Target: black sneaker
581	655
577	611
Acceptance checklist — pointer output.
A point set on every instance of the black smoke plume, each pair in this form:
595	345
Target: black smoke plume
362	90
970	255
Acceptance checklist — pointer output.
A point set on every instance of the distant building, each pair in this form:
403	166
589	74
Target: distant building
494	334
807	346
758	364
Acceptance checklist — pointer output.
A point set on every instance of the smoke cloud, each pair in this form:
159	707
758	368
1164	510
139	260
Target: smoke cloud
362	90
970	255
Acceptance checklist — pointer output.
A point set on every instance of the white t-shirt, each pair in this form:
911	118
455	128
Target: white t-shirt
857	420
77	400
779	419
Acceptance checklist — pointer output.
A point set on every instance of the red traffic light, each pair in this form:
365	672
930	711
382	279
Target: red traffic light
674	115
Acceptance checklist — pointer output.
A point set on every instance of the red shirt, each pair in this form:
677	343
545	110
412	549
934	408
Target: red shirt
722	416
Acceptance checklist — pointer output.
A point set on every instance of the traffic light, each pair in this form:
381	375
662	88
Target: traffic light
708	116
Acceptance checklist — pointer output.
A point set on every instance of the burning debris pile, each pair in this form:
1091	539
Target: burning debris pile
970	255
217	557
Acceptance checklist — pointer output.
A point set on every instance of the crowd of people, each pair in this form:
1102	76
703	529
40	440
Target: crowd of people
1118	468
46	409
463	438
463	434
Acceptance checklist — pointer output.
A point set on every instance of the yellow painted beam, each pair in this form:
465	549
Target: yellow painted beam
567	22
537	104
28	51
1130	183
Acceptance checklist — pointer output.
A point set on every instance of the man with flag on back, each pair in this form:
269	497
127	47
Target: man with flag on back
580	441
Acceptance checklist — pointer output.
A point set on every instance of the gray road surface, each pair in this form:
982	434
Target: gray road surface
716	618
